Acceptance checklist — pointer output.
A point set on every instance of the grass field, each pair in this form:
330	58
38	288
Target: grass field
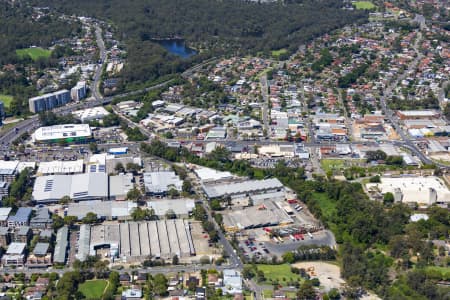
332	164
279	52
278	273
34	53
364	5
327	206
93	289
6	99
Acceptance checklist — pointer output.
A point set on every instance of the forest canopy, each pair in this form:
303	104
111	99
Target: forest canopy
213	27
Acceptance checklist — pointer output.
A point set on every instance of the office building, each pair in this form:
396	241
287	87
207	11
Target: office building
69	133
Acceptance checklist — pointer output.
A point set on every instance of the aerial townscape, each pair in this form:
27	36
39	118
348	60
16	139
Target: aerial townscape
233	149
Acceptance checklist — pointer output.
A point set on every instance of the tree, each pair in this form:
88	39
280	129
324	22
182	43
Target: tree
289	257
175	260
215	204
93	147
119	168
375	179
160	284
139	214
306	291
134	194
65	200
187	186
334	294
133	168
90	218
388	198
58	222
173	193
170	214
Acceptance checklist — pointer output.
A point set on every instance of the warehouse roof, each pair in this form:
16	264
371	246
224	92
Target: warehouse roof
105	209
207	174
62	132
178	206
60	167
59	254
77	187
161	182
248	186
120	185
8	167
92	113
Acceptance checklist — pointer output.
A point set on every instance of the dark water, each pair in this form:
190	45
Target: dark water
177	47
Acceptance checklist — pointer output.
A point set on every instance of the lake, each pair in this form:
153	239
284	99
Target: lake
177	47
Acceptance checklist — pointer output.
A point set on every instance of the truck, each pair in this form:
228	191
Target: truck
310	235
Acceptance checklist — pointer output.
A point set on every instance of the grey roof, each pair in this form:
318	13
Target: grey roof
4	230
77	187
46	233
41	248
59	255
103	209
42	216
160	182
16	248
22	215
23	230
233	188
83	242
120	184
178	206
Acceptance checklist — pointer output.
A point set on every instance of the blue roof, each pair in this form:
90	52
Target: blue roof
22	215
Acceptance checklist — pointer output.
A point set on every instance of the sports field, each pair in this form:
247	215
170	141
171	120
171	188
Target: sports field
35	53
364	5
93	289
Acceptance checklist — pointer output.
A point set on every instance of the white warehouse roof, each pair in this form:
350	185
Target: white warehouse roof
62	132
60	167
244	187
78	187
90	114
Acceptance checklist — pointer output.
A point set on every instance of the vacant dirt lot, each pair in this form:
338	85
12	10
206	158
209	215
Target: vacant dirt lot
328	274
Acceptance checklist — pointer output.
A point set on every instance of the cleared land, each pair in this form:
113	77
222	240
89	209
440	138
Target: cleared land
93	289
34	53
364	5
328	274
327	206
281	273
6	99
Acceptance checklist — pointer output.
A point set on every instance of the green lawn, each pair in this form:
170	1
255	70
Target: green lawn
364	5
6	99
93	289
34	53
279	52
278	272
332	164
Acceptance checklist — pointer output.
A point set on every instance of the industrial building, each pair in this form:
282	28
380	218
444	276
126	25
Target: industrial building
137	241
180	207
268	213
70	133
211	175
120	185
107	210
90	114
60	251
242	189
159	183
79	187
78	92
49	101
60	167
424	191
